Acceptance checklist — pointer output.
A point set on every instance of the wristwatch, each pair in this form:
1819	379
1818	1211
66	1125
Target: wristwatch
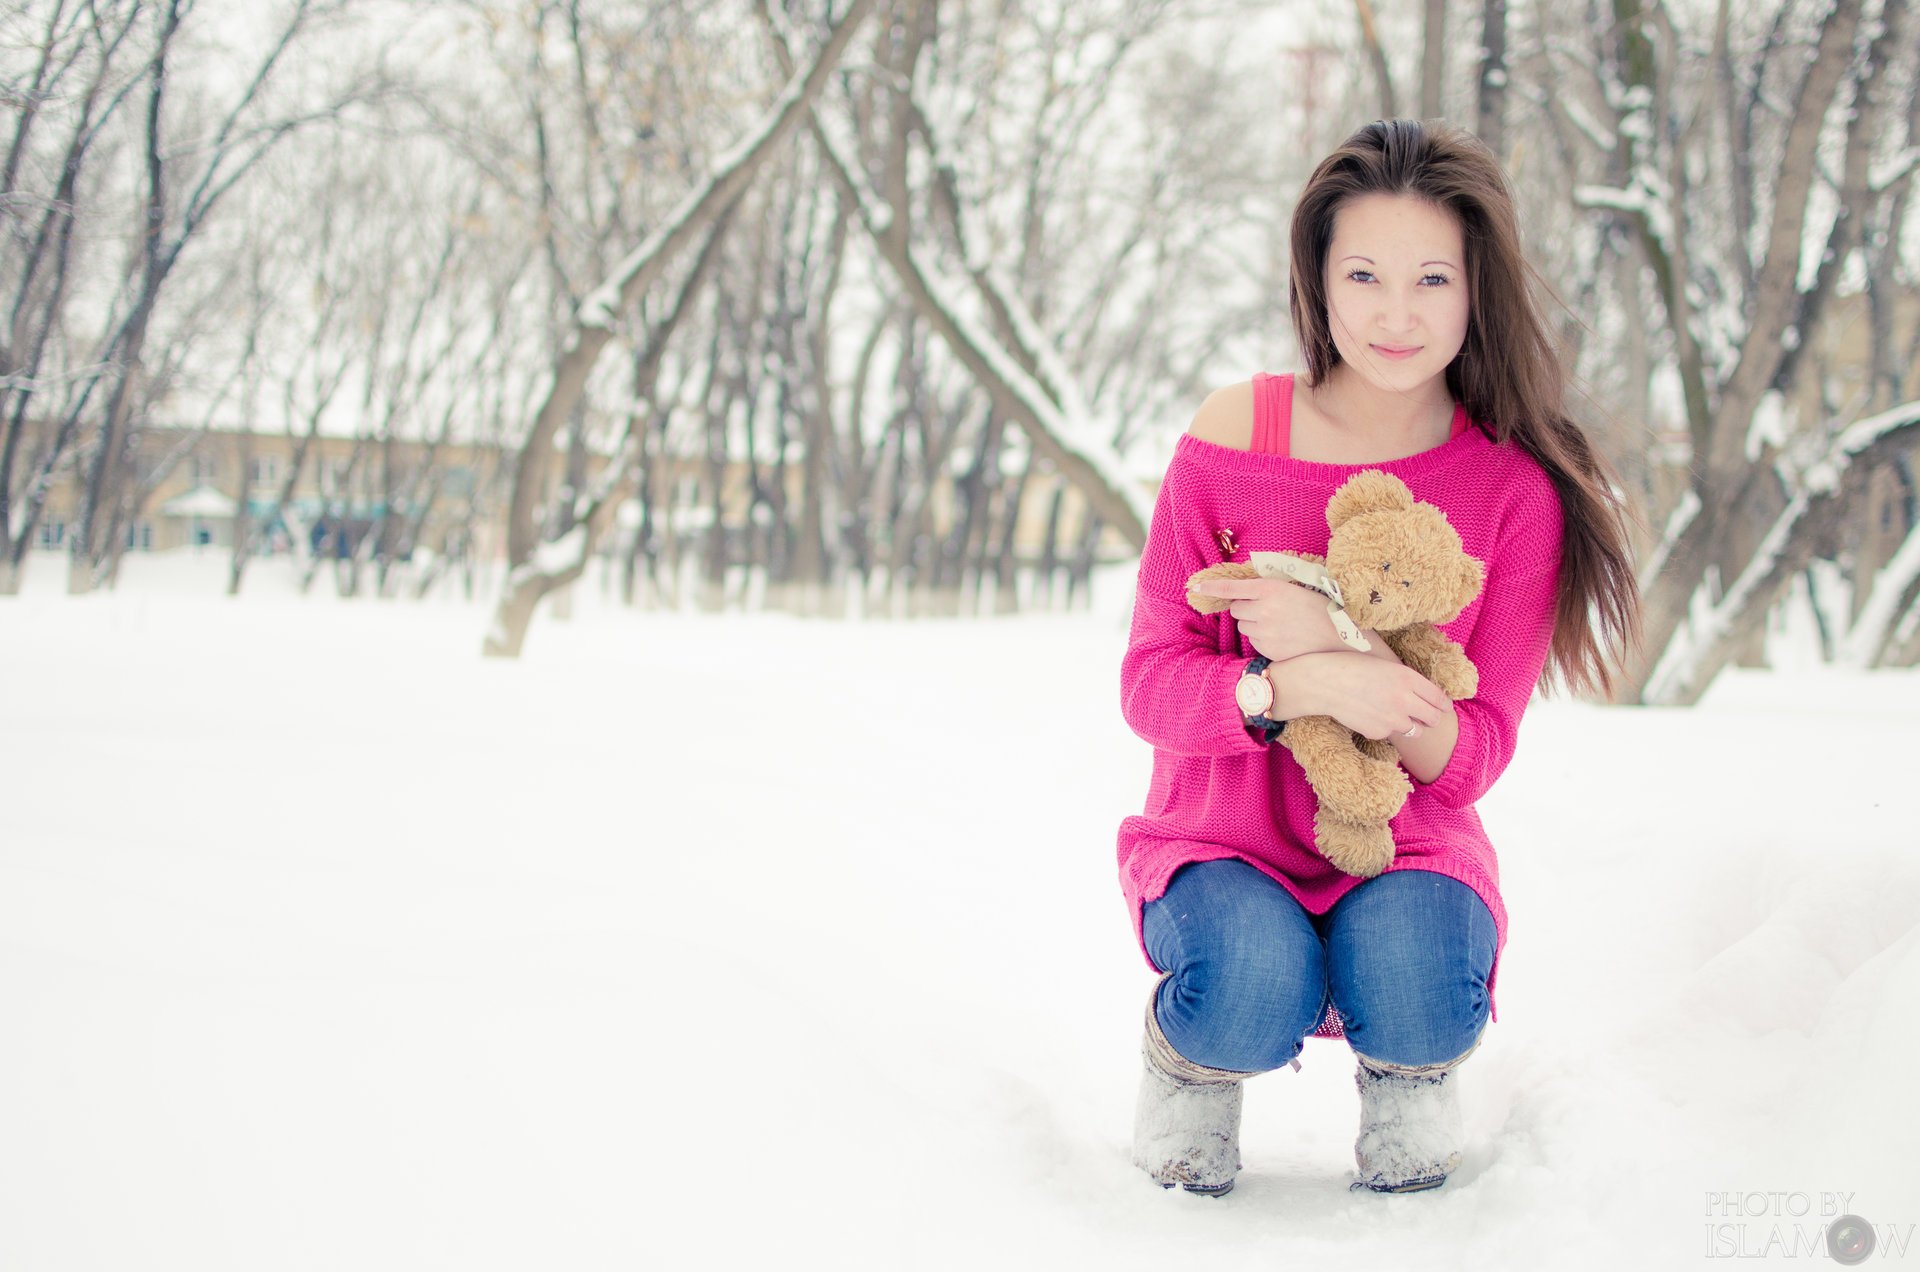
1254	694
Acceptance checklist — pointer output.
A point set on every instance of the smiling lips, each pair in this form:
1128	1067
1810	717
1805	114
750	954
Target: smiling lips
1388	351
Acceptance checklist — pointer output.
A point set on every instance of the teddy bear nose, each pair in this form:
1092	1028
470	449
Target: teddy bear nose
1374	597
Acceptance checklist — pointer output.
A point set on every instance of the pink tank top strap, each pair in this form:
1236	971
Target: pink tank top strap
1272	413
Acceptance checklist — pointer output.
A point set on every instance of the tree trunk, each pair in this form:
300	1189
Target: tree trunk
1377	59
1491	111
1433	61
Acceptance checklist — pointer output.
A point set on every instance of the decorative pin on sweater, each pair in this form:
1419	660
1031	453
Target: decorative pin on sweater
1398	567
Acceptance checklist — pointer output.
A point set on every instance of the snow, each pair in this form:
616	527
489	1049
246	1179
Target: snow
1770	426
1713	616
1882	176
1882	608
1679	663
1645	199
1678	520
201	501
484	964
1602	137
556	556
1861	434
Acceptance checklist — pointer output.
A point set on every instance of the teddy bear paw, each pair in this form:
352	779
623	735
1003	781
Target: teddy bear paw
1224	570
1363	789
1360	850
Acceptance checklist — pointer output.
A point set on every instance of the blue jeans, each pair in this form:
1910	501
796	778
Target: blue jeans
1405	957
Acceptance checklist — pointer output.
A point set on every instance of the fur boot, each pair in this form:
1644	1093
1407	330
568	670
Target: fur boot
1411	1134
1186	1124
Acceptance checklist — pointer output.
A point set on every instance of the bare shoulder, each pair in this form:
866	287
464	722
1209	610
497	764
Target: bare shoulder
1226	417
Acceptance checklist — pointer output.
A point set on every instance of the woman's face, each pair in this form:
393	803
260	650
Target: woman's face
1396	281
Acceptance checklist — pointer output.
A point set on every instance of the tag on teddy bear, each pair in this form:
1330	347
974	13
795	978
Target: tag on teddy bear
1284	565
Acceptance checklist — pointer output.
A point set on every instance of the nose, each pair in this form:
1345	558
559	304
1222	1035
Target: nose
1397	315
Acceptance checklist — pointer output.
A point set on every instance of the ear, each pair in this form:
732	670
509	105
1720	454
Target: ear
1471	575
1370	491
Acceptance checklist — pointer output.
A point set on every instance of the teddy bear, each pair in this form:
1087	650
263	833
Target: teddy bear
1394	566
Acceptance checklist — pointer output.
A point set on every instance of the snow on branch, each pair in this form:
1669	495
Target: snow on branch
1681	662
1642	199
1602	137
1861	434
560	560
1061	428
1070	424
1689	657
729	170
1677	522
1893	583
1883	176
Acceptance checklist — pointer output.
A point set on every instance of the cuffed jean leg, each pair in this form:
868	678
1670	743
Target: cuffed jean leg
1248	976
1408	956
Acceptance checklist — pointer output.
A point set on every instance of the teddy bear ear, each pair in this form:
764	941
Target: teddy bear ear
1472	575
1369	491
1465	576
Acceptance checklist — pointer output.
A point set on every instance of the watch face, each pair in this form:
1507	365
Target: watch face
1254	693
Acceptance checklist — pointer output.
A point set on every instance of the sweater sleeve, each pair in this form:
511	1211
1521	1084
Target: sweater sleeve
1176	685
1509	646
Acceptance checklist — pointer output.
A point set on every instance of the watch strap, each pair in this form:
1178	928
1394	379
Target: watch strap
1261	728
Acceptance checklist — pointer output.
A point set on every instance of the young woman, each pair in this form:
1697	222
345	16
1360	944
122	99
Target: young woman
1426	357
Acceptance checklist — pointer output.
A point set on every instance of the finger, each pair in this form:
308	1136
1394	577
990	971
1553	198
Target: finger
1423	715
1227	589
1432	696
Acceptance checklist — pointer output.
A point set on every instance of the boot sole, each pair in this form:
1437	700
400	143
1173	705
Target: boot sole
1411	1185
1207	1190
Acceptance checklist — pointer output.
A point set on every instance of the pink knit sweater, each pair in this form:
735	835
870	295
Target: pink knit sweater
1217	792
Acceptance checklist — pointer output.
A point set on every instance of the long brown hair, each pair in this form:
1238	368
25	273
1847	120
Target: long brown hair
1509	374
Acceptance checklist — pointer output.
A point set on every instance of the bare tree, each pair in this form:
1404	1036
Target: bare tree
1674	145
697	216
1010	359
79	71
115	54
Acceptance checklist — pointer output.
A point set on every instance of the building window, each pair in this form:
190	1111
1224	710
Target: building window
457	481
206	470
52	534
140	536
333	476
264	469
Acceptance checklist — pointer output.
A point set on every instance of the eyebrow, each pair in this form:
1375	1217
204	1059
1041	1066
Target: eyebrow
1369	260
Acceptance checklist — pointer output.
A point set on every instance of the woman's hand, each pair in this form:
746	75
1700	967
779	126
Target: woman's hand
1279	618
1375	697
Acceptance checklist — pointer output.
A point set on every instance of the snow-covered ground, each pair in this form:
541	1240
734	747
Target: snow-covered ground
751	941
